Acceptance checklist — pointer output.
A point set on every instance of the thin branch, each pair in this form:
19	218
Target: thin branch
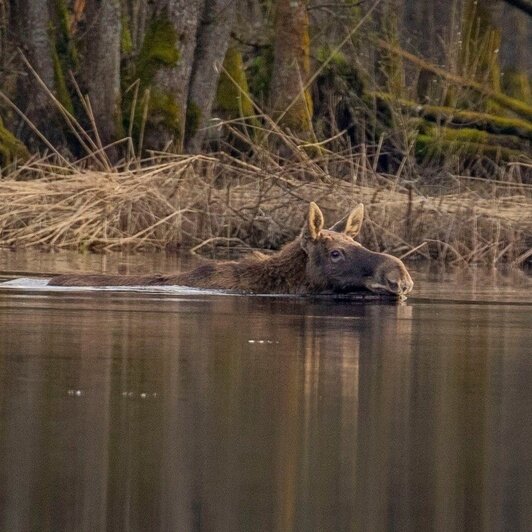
341	6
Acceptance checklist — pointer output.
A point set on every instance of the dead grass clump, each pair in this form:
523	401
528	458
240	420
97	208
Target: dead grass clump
204	202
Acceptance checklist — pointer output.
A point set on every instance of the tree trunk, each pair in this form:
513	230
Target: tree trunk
3	35
389	68
102	68
165	65
431	29
516	60
135	17
291	103
32	21
212	43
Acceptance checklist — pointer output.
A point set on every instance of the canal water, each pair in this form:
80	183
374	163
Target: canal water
185	410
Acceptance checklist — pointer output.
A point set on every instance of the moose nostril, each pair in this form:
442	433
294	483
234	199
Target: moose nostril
398	284
406	286
394	286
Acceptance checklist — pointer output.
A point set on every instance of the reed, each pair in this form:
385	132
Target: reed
208	202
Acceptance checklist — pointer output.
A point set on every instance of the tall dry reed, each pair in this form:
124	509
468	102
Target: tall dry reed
207	201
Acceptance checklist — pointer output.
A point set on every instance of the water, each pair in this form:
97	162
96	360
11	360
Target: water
182	410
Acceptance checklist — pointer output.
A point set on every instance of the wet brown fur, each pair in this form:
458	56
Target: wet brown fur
303	266
283	272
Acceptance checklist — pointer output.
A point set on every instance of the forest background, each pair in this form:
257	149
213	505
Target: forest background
211	123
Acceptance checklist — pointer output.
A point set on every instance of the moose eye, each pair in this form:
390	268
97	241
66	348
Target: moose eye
336	255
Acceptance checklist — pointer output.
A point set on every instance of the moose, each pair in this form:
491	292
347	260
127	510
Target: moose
318	261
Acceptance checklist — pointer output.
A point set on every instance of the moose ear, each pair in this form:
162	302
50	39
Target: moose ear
354	221
314	223
351	224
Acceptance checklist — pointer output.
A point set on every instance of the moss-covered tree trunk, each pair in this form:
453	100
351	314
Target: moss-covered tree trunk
32	23
291	103
165	66
212	42
11	148
102	68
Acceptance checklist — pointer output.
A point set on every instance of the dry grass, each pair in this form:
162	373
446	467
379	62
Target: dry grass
218	200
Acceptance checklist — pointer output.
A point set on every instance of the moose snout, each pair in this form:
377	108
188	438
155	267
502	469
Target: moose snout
392	278
400	286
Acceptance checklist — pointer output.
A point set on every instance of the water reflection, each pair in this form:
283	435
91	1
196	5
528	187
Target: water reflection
128	412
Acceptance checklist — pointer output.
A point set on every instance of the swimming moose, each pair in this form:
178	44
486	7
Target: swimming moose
318	261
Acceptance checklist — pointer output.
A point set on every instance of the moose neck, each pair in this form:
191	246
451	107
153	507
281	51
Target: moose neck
283	272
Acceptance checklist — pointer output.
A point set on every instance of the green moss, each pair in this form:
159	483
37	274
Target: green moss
491	123
61	88
518	107
259	74
516	84
482	121
126	41
309	111
159	50
64	53
163	114
10	147
444	131
64	43
232	94
339	73
465	135
165	111
430	146
334	58
118	118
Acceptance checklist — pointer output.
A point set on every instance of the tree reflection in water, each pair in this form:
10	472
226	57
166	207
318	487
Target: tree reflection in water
240	413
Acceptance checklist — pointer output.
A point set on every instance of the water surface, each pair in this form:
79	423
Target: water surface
181	410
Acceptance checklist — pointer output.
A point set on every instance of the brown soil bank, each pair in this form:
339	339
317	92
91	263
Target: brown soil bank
208	201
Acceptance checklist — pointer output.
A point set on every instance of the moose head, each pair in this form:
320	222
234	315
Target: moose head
338	263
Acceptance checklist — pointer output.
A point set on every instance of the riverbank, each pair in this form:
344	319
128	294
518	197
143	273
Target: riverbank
205	202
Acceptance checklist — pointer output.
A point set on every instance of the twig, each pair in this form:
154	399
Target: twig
413	250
